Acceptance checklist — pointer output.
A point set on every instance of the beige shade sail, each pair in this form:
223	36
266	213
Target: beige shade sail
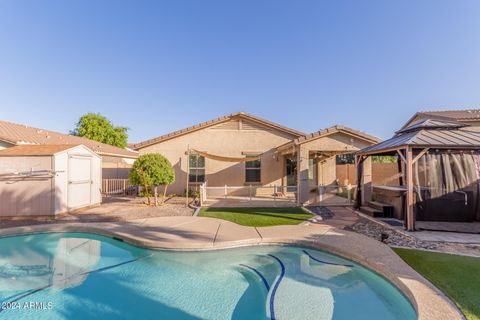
223	158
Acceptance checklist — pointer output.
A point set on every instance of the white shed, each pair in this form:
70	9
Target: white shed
47	180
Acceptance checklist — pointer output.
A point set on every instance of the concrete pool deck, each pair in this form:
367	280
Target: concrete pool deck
198	233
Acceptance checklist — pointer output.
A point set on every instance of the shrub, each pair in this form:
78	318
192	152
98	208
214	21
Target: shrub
151	170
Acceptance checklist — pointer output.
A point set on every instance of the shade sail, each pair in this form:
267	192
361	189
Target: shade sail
226	159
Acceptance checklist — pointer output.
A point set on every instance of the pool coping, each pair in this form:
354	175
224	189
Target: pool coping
427	300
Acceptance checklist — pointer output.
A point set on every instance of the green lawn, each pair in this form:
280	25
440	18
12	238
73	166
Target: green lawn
258	217
457	276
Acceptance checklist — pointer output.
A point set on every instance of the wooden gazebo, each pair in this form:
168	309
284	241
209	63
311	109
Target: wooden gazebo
410	145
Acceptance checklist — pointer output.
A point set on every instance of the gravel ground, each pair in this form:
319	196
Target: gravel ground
375	230
323	212
114	209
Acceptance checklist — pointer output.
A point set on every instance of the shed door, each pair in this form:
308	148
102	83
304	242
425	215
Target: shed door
79	181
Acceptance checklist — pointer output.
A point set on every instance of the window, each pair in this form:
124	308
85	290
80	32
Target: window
348	158
253	170
197	168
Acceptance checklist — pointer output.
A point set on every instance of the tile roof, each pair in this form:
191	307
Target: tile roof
22	134
466	114
325	132
337	128
210	123
36	149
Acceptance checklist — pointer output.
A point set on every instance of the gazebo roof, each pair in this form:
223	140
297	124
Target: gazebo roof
428	133
432	124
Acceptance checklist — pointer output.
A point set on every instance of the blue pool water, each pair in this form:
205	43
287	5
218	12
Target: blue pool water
82	276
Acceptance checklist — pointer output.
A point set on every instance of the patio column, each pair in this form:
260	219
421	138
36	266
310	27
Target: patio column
302	175
358	180
367	180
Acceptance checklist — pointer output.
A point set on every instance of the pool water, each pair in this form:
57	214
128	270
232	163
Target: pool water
82	276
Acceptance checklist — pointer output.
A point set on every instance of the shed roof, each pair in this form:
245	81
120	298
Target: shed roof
35	150
18	134
428	134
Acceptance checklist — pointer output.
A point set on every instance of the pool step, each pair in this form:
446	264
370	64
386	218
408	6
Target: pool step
319	300
385	208
372	212
284	291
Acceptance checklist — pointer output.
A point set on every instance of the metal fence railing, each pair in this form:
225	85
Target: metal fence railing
116	187
335	195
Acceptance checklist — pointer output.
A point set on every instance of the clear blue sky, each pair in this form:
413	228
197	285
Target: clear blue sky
158	66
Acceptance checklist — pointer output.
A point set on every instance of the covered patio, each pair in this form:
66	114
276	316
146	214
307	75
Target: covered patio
299	172
310	164
439	180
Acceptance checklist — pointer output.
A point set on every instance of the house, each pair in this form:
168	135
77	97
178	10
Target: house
217	152
116	162
471	117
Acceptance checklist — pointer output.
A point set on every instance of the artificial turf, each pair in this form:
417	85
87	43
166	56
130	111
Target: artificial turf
457	276
258	217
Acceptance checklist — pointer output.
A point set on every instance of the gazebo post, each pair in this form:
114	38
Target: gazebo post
363	165
359	171
367	180
410	225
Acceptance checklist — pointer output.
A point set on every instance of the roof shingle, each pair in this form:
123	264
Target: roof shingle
35	149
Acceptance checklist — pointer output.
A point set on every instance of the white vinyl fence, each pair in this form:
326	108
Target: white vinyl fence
117	187
250	193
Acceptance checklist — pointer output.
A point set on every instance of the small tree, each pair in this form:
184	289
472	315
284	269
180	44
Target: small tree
152	170
96	127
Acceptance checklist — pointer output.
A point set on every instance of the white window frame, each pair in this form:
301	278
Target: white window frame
190	168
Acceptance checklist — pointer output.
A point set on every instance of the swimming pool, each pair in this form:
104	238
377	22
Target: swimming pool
81	276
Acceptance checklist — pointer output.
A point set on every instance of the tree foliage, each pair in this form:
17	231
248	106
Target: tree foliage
96	127
384	159
151	170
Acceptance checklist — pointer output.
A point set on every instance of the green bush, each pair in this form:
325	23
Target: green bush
151	170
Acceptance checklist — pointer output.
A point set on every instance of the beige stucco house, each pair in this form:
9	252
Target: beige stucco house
214	152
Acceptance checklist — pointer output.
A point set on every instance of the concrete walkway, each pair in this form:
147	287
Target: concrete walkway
338	217
197	233
442	236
